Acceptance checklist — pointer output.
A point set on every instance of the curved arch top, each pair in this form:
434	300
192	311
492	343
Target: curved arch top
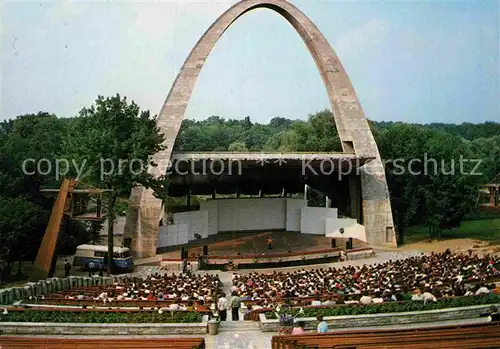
343	100
352	125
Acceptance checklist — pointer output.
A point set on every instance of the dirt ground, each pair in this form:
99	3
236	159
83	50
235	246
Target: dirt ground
455	245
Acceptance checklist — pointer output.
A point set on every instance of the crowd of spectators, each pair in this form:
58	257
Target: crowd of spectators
185	288
421	278
425	278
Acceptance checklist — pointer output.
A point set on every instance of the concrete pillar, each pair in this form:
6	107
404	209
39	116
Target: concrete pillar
66	283
28	292
10	295
7	297
49	287
52	284
18	294
145	236
305	191
327	201
35	288
376	205
43	287
4	297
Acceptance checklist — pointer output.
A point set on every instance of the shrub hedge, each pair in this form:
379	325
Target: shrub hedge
392	307
100	317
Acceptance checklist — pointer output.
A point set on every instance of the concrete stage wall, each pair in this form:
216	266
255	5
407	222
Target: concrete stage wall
312	219
253	214
293	213
213	215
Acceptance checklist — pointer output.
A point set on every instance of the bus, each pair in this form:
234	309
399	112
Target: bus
93	257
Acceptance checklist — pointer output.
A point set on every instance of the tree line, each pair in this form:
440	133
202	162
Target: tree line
116	128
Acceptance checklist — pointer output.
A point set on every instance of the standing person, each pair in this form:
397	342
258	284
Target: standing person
235	304
269	243
184	265
67	268
322	325
222	307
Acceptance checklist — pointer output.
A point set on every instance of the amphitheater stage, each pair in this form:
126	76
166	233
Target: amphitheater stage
251	250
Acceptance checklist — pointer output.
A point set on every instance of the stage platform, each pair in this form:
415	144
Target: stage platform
251	248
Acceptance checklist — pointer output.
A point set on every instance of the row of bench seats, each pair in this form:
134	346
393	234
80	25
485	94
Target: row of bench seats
120	304
447	337
70	343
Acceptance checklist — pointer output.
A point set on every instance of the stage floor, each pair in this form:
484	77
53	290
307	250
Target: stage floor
236	243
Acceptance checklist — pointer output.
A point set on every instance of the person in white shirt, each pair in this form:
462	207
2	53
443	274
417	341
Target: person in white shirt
428	297
316	302
366	299
482	290
378	300
174	307
222	307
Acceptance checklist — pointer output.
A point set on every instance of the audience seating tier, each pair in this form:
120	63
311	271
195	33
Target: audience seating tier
77	343
440	275
466	336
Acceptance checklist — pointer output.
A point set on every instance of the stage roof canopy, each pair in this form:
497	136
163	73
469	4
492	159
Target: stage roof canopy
248	172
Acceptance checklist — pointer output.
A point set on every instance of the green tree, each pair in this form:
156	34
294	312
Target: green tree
488	151
115	140
426	180
18	218
237	146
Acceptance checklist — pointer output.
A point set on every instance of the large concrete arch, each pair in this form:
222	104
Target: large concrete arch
354	131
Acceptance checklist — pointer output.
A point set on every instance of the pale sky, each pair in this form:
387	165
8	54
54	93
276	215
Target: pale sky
408	61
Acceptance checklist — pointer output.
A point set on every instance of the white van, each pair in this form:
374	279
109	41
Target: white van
92	257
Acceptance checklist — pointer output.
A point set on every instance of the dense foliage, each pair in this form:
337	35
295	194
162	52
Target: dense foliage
39	150
117	129
101	317
394	307
113	141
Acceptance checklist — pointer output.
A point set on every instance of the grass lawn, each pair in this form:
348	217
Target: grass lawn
485	229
